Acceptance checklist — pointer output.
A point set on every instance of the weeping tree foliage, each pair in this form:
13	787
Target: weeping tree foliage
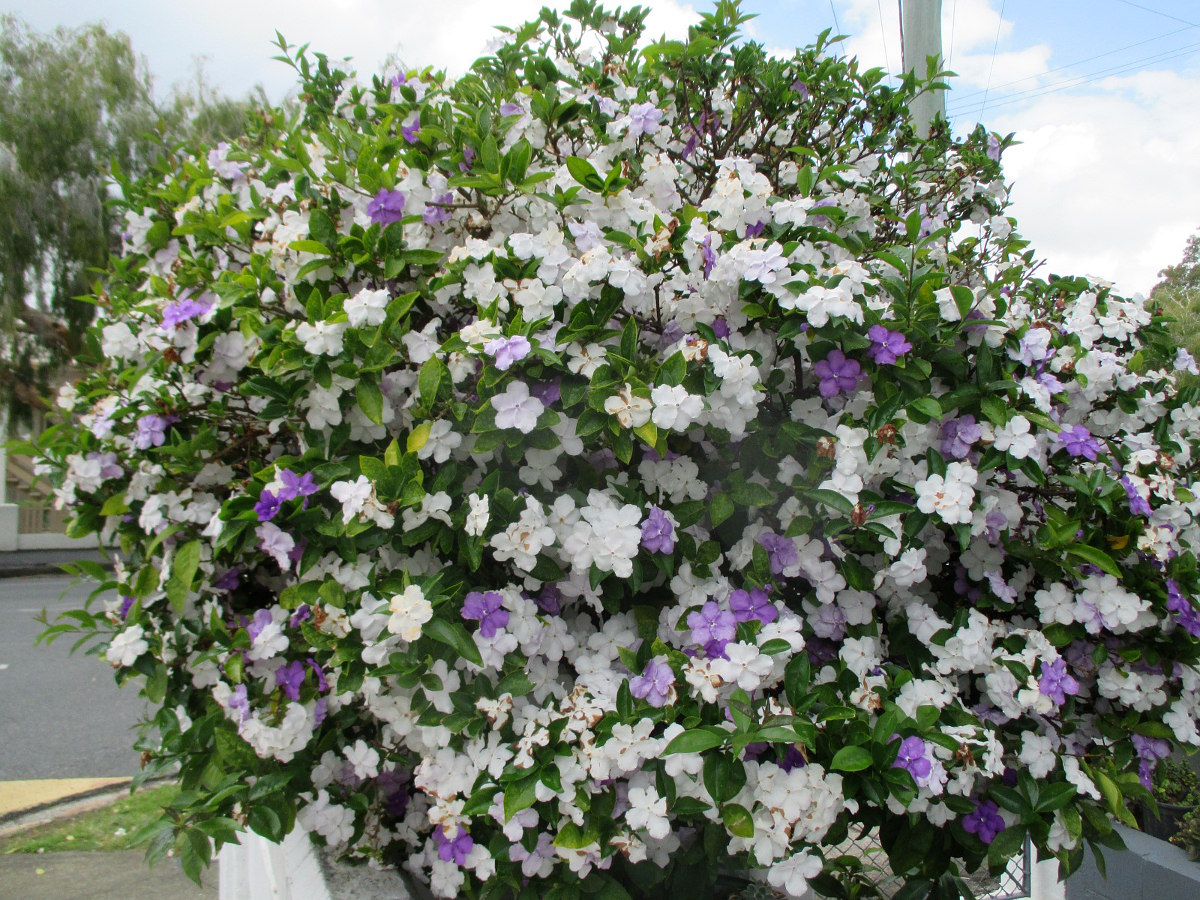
76	105
1179	295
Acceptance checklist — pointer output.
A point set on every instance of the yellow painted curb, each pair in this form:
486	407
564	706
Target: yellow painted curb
16	796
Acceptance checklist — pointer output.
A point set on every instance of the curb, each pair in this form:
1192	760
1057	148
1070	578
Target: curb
19	820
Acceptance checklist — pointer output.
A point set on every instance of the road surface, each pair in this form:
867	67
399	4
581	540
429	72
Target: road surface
61	714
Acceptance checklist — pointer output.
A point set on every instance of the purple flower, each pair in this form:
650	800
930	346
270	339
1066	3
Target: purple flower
1138	505
710	255
295	485
262	618
437	211
126	605
319	674
985	823
957	435
800	88
1185	612
268	506
782	551
507	350
838	374
886	346
720	327
486	609
175	314
793	759
290	677
644	118
511	109
1078	441
468	159
1149	751
712	624
151	432
655	684
749	605
755	230
456	848
549	392
386	207
229	579
411	130
1056	683
913	759
549	600
658	534
993	148
302	614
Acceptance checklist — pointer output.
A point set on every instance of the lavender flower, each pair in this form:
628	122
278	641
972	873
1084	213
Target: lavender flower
1185	612
913	759
175	314
1078	441
710	256
781	550
755	604
644	118
126	605
886	346
958	435
1138	505
656	684
511	109
837	374
437	211
239	703
319	674
486	609
295	485
658	534
985	822
410	131
386	207
712	624
151	432
507	350
1149	751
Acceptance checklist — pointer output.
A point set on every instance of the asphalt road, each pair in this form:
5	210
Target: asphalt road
61	714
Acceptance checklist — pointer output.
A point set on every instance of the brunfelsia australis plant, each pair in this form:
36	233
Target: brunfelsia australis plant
626	464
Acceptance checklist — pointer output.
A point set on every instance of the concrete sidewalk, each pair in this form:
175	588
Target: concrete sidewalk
21	563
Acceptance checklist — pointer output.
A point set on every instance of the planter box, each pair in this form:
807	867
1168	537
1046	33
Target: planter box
1149	870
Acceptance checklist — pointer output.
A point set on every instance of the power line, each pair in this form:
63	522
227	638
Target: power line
835	21
1021	96
1079	62
1159	12
887	57
953	16
992	66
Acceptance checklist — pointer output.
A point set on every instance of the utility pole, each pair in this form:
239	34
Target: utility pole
921	38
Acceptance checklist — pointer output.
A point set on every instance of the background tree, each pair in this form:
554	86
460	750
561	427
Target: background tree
1179	295
73	104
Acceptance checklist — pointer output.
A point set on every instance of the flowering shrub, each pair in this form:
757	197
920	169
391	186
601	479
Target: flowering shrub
618	467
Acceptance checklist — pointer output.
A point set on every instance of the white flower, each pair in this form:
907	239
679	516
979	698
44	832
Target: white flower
516	409
410	610
951	495
674	408
366	308
745	666
791	875
477	517
1015	438
119	342
364	759
441	441
353	495
525	538
127	646
631	411
649	811
323	338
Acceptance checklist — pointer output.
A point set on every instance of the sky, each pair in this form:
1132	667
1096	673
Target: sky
1101	94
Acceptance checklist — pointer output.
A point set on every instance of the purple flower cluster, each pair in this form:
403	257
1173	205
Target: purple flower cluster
656	683
755	604
1056	683
486	608
151	432
837	373
886	346
290	677
1149	751
293	486
386	207
985	822
1138	505
658	534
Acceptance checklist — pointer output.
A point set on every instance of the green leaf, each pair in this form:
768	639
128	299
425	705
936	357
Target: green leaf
851	759
370	400
832	499
1097	558
696	741
738	820
114	506
720	508
456	637
519	796
321	227
585	173
430	380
